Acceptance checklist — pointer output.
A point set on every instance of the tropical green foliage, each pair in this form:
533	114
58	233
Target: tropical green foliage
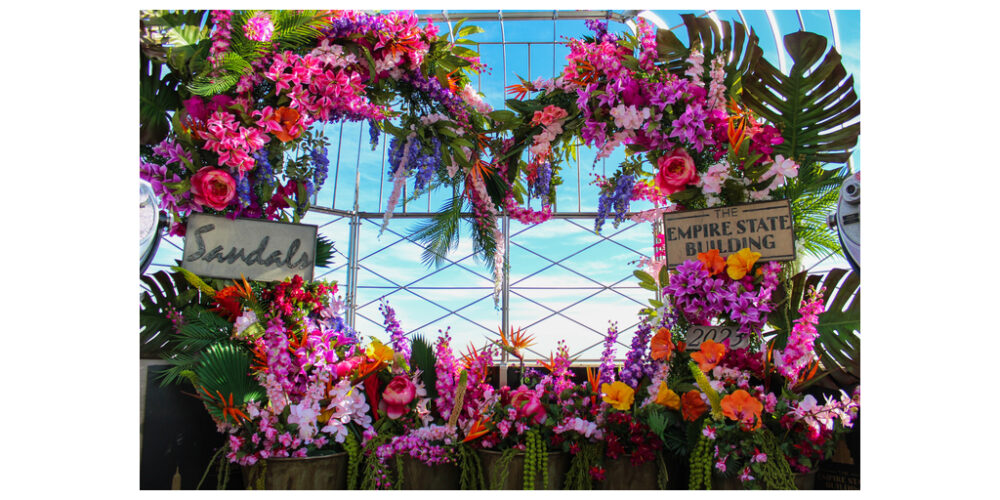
727	39
813	105
165	293
223	371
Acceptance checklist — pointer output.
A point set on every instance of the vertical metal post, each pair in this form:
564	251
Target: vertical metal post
505	297
353	258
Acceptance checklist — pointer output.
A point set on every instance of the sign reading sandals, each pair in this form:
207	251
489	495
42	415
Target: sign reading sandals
765	228
698	334
220	247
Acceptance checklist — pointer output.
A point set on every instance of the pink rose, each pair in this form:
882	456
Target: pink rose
676	171
213	187
527	404
397	395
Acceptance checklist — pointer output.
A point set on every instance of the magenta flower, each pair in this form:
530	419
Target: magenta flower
527	404
259	28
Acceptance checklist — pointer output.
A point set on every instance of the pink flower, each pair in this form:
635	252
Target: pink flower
527	404
397	395
548	115
745	475
259	28
213	187
677	170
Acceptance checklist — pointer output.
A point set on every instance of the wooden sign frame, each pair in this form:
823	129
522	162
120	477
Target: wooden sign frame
765	227
260	250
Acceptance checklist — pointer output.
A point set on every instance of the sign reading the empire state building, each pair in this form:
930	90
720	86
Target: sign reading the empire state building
764	227
260	250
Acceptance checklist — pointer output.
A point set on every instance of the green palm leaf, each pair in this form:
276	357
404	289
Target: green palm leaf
157	97
422	358
839	343
164	292
440	234
813	105
224	368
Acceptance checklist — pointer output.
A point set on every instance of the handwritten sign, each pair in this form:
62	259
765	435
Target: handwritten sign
220	247
765	228
698	334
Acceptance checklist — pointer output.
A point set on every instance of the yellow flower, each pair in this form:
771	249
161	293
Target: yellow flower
667	397
619	395
379	352
740	263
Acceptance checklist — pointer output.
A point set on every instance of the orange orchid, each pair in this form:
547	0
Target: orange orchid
618	394
743	407
515	342
477	430
692	406
288	119
740	263
709	355
667	397
469	358
712	262
662	345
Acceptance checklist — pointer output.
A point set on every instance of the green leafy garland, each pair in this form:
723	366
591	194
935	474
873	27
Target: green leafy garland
535	460
578	477
701	464
371	468
470	469
775	473
353	460
501	468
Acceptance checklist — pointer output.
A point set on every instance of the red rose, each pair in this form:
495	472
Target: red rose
213	187
676	171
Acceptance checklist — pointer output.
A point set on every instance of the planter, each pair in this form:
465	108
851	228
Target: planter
328	472
620	474
806	481
558	466
420	476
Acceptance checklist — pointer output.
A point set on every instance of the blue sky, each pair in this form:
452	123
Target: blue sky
538	293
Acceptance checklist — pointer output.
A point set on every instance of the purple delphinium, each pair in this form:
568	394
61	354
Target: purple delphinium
637	363
608	355
398	341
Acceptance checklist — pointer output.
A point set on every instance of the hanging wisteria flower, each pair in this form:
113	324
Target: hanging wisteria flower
259	28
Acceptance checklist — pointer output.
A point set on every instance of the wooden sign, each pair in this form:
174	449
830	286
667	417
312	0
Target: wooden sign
220	247
765	228
698	334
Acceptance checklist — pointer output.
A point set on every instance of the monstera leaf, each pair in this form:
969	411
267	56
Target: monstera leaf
839	344
812	105
740	48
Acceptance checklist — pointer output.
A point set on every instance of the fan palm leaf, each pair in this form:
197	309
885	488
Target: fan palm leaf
164	293
815	105
224	380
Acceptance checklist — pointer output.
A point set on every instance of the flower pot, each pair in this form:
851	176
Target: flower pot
620	474
420	476
328	472
557	468
806	481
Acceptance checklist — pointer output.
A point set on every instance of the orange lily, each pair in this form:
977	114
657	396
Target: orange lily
743	407
712	262
692	405
710	354
662	345
288	118
740	263
477	431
